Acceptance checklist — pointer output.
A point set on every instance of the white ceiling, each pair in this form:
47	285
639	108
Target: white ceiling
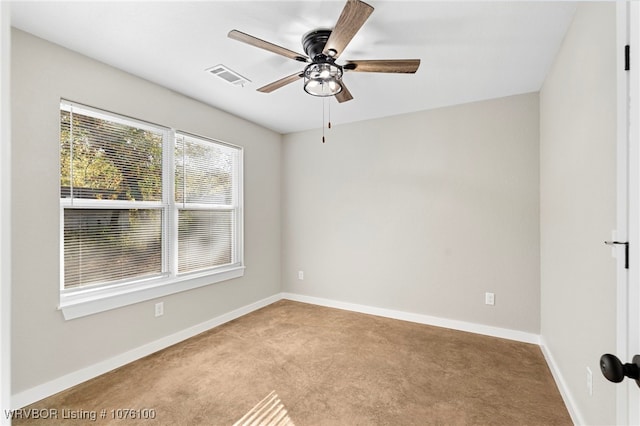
469	50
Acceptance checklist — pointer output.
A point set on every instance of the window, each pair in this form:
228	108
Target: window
204	197
145	210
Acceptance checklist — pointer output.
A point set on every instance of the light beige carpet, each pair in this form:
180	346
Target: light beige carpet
328	367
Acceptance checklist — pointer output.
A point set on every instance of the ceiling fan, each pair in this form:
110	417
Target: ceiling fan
323	76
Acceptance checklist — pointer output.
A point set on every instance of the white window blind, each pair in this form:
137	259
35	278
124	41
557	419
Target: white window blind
206	197
105	159
143	206
104	246
111	184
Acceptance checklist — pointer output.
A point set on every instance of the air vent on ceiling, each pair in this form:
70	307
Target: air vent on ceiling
228	75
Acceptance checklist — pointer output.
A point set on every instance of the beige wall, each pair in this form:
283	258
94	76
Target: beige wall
577	204
44	346
421	213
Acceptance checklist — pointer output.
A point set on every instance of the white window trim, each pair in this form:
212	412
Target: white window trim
80	302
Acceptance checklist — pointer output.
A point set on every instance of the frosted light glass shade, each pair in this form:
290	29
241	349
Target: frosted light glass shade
322	79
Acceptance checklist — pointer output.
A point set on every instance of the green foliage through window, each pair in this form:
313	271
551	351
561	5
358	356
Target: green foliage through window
100	159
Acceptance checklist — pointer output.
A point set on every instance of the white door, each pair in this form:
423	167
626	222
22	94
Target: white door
633	301
628	216
626	240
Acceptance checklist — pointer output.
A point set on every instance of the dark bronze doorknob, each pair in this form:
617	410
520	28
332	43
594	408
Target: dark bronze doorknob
615	371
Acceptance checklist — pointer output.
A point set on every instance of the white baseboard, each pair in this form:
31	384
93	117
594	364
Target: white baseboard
486	330
576	417
52	387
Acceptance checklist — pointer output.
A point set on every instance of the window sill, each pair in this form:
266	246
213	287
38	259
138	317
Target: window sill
76	305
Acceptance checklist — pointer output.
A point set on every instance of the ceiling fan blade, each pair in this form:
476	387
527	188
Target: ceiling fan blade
344	95
279	83
409	66
254	41
353	16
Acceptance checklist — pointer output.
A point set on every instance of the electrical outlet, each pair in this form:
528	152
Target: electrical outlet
301	275
589	382
489	299
159	309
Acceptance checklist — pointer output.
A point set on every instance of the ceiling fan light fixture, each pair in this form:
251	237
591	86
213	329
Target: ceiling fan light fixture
322	79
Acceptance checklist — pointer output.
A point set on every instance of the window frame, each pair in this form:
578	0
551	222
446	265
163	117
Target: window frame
81	301
236	206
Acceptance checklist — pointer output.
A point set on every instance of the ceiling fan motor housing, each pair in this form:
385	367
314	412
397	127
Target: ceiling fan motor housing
313	43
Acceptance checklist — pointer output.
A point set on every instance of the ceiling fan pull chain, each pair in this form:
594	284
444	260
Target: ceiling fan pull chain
323	104
329	123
